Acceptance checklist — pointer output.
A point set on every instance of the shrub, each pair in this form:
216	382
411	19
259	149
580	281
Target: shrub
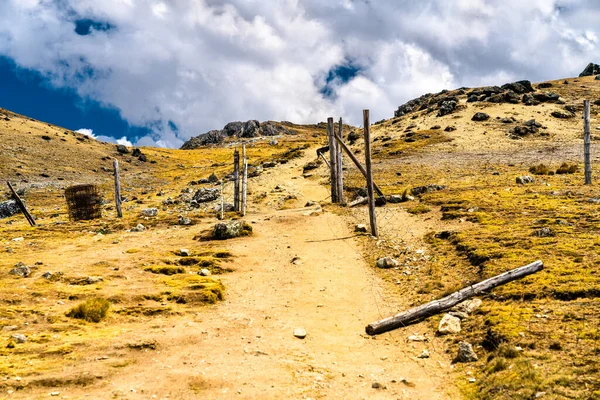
165	270
541	169
92	310
567	168
419	209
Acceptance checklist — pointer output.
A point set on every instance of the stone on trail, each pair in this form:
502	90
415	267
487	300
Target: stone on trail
138	228
231	229
205	195
360	228
150	212
377	385
449	324
204	272
21	270
386	263
184	220
468	306
424	354
525	179
300	333
394	199
19	338
417	338
184	252
465	353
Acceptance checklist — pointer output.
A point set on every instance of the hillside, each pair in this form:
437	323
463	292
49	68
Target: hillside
171	331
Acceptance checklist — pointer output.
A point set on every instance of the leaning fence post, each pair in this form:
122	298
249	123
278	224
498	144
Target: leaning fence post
236	180
586	142
21	205
118	199
333	160
340	169
367	131
244	179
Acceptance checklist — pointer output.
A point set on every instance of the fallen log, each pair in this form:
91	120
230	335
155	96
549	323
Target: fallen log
434	307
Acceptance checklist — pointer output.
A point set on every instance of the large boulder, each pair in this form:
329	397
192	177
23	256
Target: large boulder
251	129
480	116
449	325
206	194
9	208
234	129
231	229
465	353
208	138
446	108
591	69
519	87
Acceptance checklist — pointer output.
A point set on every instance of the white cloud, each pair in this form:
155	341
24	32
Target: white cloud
87	132
203	63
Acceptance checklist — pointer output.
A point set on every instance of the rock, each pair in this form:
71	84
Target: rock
520	87
544	232
184	252
21	270
353	136
417	338
472	98
47	275
184	220
545	85
206	194
150	212
204	272
386	263
231	229
138	228
561	115
394	199
9	328
597	78
465	353
424	354
449	128
525	179
121	149
90	280
506	121
459	314
311	165
533	123
234	129
571	108
377	385
449	324
435	127
419	190
227	207
544	97
9	208
136	152
251	129
300	333
590	69
269	164
54	393
19	338
529	100
208	138
212	178
360	228
446	108
468	306
480	117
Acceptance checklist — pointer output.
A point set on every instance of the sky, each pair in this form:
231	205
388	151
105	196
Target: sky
157	72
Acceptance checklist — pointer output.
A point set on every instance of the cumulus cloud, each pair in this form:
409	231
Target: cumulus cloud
108	139
87	132
182	68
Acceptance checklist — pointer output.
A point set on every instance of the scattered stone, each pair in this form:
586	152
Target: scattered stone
184	252
21	270
544	232
47	275
377	385
231	229
9	328
465	353
393	199
468	306
525	179
544	85
121	149
449	324
300	333
435	127
480	117
227	207
520	87
312	165
9	208
310	203
417	338
184	220
269	164
205	195
19	338
449	128
90	280
386	263
360	228
424	354
204	272
138	228
54	393
447	107
419	190
561	115
150	212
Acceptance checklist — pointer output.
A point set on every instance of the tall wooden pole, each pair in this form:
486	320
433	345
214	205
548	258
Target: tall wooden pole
371	198
222	202
586	142
340	169
236	180
118	199
333	160
21	205
244	180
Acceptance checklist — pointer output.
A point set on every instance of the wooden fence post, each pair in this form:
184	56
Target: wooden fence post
340	169
222	202
333	160
21	205
244	179
236	180
586	143
371	198
118	199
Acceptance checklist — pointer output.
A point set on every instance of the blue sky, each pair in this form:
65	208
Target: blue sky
157	72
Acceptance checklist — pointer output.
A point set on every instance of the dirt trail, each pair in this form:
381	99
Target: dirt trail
245	347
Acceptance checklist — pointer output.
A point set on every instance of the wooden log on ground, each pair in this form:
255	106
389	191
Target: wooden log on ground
21	205
426	310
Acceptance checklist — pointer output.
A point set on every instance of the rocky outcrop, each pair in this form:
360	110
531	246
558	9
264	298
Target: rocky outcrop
9	208
238	129
591	69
